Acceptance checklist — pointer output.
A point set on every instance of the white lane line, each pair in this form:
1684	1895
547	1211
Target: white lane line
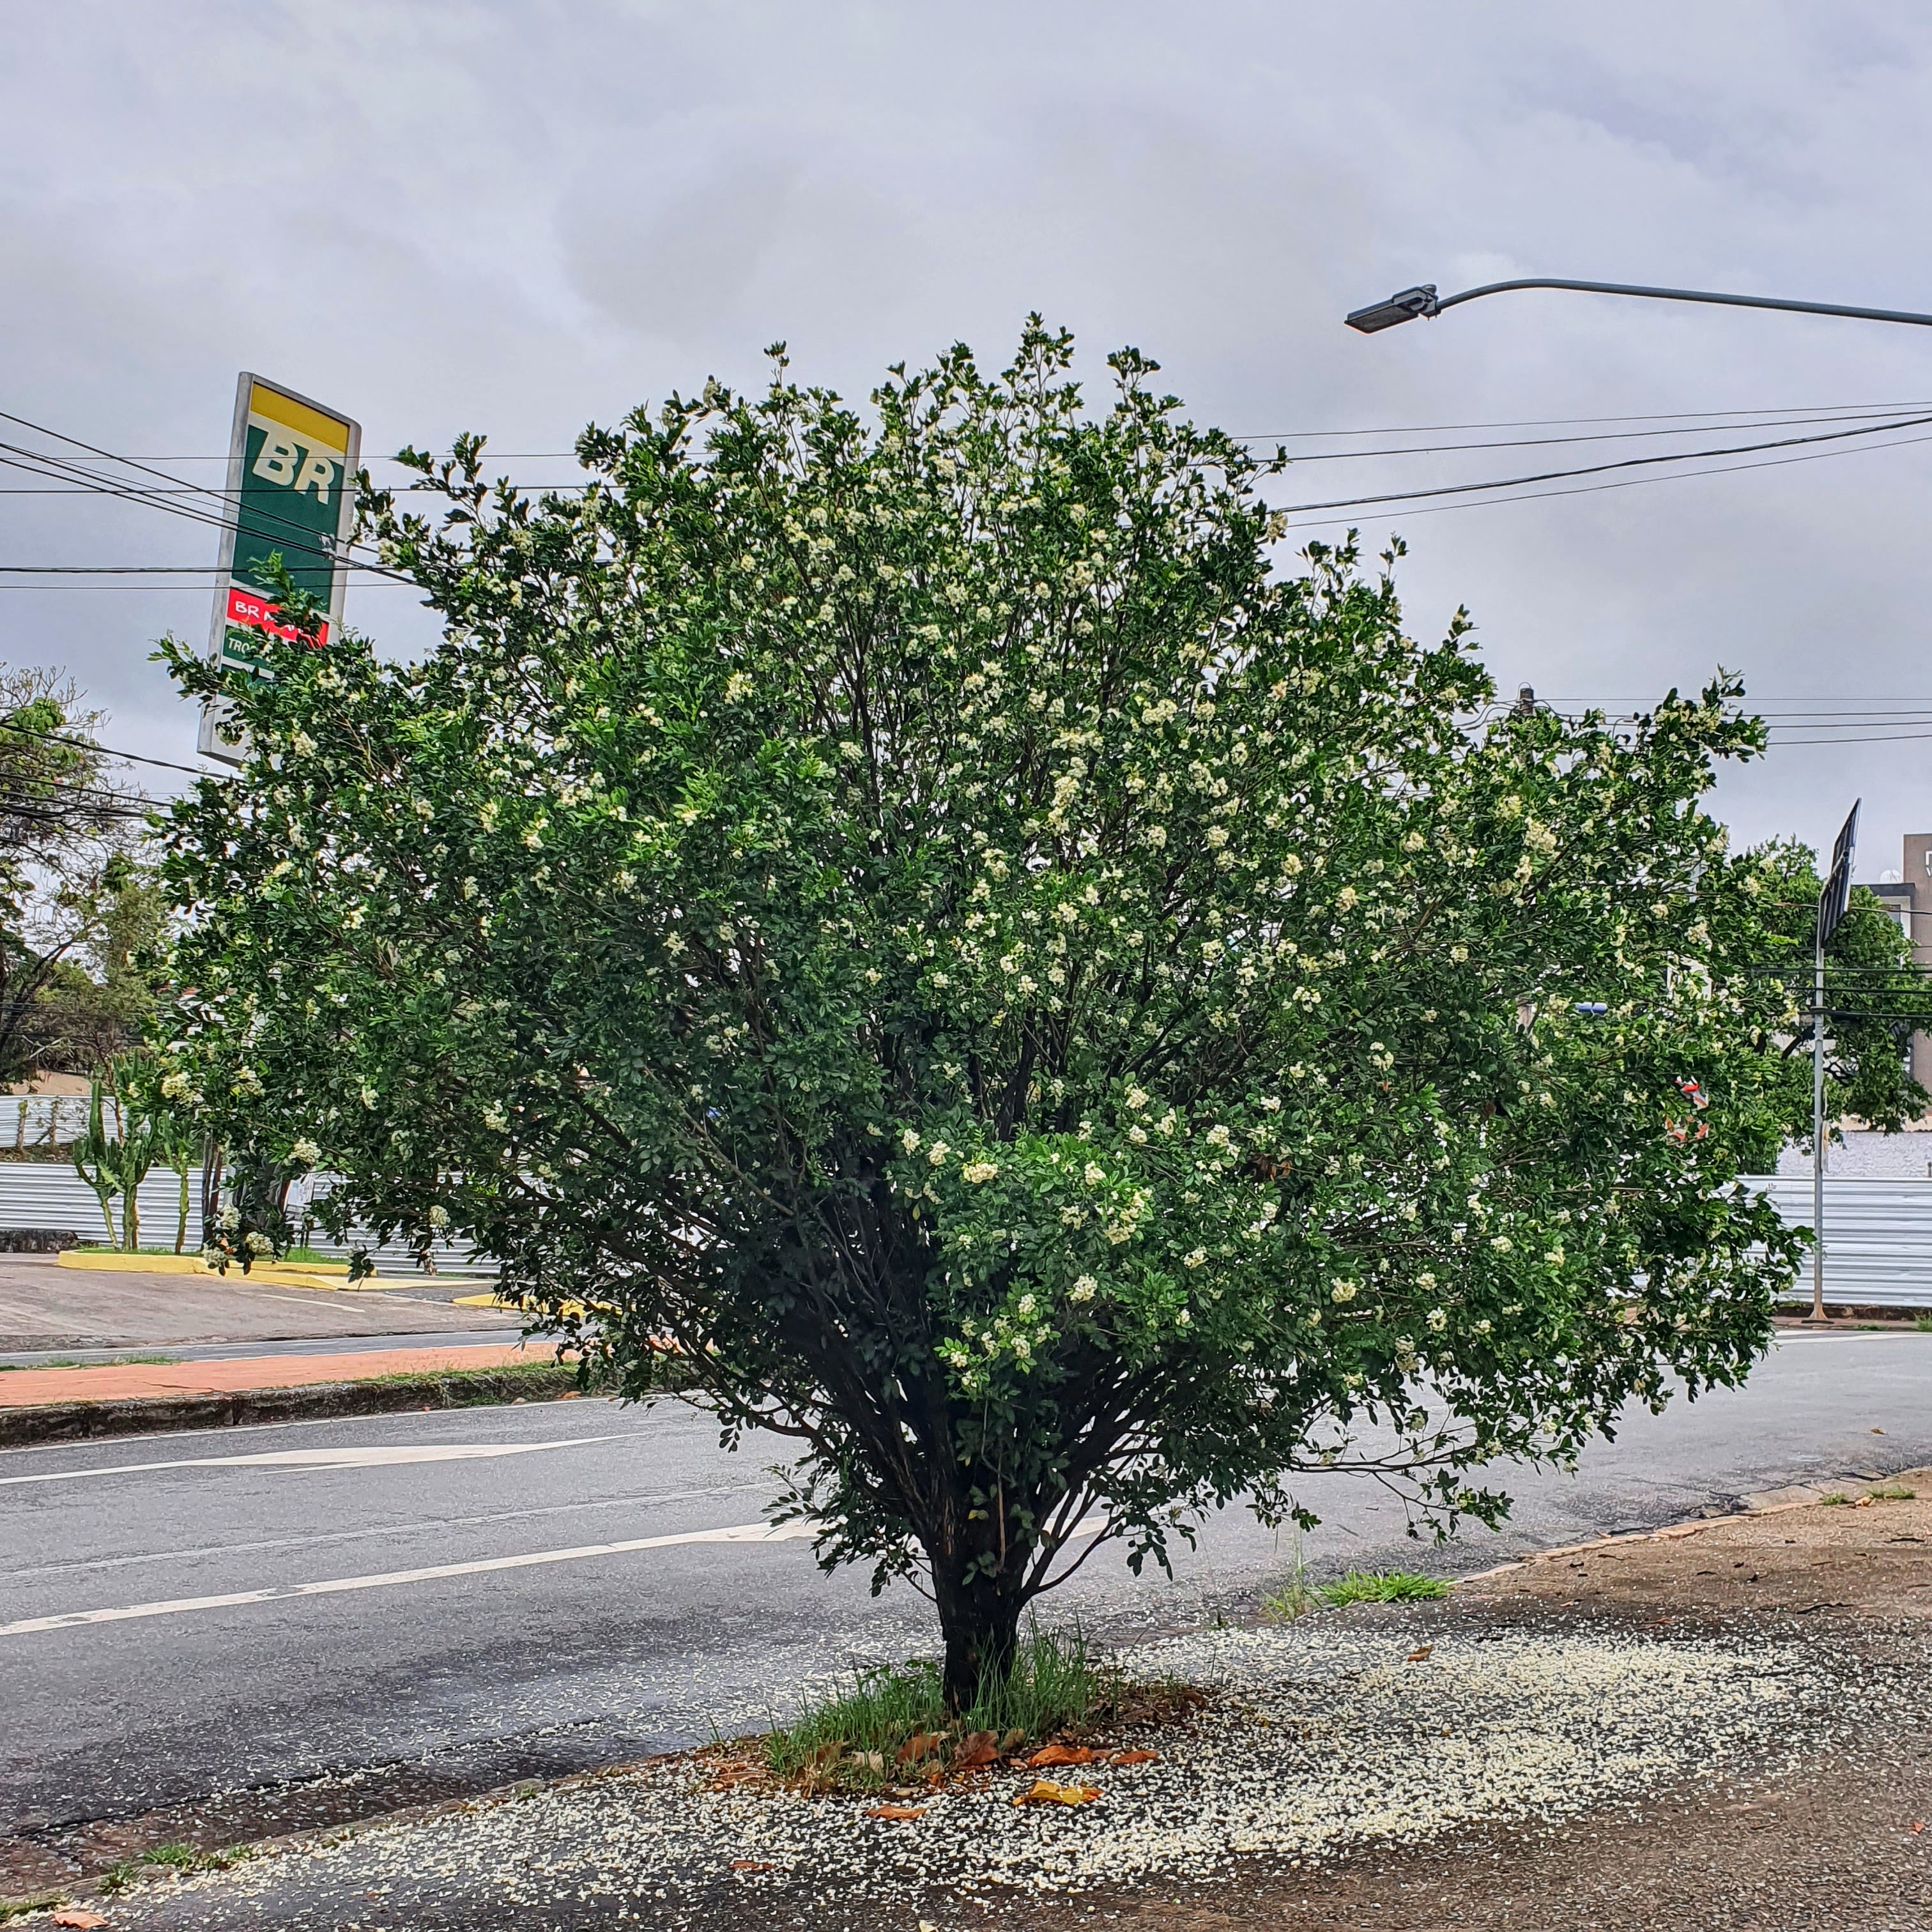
199	1552
742	1532
367	1458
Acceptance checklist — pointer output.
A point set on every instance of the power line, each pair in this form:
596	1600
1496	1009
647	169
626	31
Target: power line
1606	435
1623	483
1599	468
1809	409
105	751
1574	422
63	469
207	570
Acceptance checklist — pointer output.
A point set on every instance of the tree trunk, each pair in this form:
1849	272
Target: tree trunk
980	1618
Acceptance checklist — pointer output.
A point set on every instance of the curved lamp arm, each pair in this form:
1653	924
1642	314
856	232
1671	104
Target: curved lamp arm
1422	300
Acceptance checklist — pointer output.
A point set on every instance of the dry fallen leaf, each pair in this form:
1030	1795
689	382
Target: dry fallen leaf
750	1864
78	1915
977	1748
922	1744
1063	1754
1917	1824
1011	1738
1136	1757
1044	1791
1419	1654
899	1813
1878	1431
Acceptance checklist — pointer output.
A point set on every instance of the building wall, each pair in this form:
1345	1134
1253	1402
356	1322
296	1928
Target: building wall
1915	871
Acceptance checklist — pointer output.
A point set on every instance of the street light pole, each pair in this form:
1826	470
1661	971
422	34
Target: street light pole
1408	304
1818	1116
1834	896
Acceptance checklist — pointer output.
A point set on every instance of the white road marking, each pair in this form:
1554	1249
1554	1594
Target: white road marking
742	1532
366	1458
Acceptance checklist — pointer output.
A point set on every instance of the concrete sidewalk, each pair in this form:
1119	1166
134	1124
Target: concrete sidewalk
44	1306
26	1388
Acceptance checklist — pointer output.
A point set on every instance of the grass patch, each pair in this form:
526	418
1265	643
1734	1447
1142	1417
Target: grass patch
1923	1323
461	1388
1295	1598
11	1909
1893	1493
175	1858
1298	1596
1382	1586
1837	1499
882	1726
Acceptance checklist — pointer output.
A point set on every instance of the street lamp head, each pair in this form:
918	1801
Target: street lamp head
1403	307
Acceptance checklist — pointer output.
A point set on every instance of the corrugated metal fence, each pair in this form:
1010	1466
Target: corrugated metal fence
48	1120
1878	1237
1878	1233
51	1195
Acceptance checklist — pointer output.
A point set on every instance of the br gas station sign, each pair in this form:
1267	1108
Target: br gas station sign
290	463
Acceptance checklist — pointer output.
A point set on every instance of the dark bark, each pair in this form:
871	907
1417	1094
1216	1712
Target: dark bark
979	1616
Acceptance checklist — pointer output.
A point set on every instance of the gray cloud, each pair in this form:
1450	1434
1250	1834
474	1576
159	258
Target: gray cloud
520	217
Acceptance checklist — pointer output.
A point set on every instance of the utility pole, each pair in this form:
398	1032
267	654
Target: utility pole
1832	897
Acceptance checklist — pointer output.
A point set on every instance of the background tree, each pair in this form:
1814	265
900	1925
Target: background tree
1876	997
68	894
98	1000
1066	1023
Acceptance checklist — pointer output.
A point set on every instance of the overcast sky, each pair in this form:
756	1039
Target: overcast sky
519	218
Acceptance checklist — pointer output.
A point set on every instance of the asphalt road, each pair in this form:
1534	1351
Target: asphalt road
290	1624
46	1308
327	1345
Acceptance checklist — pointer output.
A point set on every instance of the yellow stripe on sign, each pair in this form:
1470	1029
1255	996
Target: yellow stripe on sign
310	426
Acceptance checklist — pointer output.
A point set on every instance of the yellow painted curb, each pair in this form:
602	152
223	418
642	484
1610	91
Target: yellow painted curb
330	1277
118	1261
115	1263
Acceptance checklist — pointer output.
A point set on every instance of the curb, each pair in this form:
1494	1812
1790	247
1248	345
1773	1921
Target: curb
1769	1502
143	1415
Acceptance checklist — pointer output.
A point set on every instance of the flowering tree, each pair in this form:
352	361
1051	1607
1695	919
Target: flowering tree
1066	1023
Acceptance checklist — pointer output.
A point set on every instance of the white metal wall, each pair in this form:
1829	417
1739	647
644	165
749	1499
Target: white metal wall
35	1120
50	1194
1878	1233
1878	1237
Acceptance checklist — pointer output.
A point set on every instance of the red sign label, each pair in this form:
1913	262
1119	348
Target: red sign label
255	613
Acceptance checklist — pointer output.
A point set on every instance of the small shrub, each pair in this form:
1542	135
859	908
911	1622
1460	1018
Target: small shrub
1295	1598
1923	1323
1383	1586
854	1736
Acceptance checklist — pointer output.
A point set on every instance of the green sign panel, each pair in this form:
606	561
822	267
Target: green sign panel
290	463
